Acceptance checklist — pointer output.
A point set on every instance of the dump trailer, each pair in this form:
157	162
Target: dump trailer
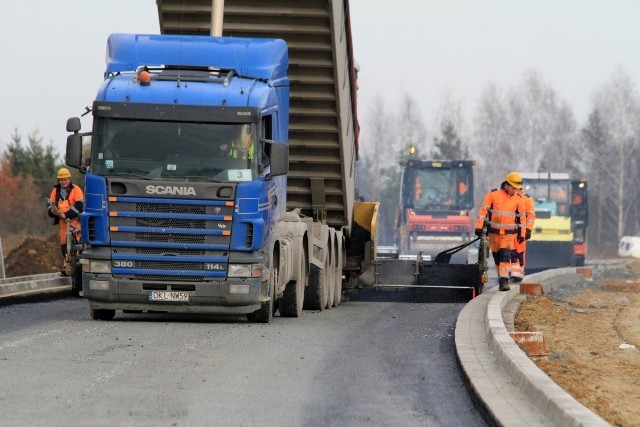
181	216
435	208
559	236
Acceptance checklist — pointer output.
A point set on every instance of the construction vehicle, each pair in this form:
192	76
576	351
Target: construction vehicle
559	236
434	231
435	209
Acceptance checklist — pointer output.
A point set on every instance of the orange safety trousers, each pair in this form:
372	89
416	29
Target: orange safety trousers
501	246
520	252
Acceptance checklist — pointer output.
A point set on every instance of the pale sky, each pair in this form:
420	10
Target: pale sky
52	52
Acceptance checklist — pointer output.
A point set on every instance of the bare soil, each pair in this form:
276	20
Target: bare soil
31	255
592	331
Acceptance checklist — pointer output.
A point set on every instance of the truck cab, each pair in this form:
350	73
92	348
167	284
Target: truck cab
186	168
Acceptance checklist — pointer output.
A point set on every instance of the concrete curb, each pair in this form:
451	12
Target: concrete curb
536	395
36	284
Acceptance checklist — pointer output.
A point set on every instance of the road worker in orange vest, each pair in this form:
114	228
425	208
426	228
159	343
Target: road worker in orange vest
500	215
66	202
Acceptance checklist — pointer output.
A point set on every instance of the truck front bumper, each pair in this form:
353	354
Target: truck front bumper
231	296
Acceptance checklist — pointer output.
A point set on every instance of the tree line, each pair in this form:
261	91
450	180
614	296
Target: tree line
526	128
27	175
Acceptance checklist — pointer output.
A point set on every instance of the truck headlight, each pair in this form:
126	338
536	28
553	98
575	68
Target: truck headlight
97	266
245	270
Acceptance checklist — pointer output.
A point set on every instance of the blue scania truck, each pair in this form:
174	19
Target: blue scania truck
177	218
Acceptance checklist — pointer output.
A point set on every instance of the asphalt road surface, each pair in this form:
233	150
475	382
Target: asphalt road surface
381	359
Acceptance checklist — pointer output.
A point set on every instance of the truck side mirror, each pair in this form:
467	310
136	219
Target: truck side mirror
73	156
73	124
279	159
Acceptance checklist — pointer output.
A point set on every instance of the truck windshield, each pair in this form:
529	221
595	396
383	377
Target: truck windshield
552	196
174	150
557	191
445	188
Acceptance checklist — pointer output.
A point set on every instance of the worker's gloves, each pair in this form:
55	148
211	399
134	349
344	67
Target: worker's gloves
527	234
520	238
479	232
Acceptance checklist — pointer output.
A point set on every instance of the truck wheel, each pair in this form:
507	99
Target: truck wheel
102	314
337	295
314	294
293	298
330	283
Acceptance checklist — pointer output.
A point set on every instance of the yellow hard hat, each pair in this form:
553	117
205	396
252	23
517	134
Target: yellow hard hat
64	173
514	179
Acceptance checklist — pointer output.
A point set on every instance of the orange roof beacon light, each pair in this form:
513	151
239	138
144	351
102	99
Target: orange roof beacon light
412	150
145	78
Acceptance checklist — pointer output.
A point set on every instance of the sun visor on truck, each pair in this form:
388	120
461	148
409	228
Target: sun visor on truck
266	59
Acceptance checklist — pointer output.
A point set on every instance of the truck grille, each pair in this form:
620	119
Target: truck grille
170	240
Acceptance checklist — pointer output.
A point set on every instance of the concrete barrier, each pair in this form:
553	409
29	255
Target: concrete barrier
37	284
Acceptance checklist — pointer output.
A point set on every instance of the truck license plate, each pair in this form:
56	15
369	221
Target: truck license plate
168	296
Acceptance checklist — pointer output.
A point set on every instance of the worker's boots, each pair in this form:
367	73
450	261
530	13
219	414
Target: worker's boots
65	270
503	283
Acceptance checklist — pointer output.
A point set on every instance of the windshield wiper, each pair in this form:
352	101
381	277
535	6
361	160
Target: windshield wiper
207	170
132	175
202	178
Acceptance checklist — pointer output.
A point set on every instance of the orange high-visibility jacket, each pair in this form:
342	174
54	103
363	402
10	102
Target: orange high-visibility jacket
502	213
529	212
71	206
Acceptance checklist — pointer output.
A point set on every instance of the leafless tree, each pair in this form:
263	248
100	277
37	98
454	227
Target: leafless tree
491	146
619	106
411	130
542	127
377	150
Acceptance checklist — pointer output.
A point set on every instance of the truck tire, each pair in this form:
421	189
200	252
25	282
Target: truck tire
102	314
329	276
314	294
293	298
337	295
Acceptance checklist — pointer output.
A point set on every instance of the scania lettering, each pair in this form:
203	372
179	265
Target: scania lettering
161	189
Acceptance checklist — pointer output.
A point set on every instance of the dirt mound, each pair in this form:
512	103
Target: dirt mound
34	256
593	336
